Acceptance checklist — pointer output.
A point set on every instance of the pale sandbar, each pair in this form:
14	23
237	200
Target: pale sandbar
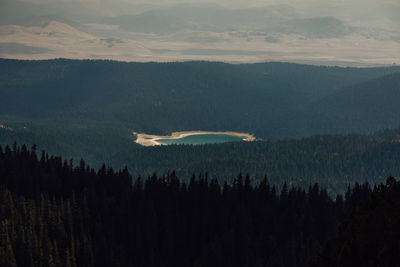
152	140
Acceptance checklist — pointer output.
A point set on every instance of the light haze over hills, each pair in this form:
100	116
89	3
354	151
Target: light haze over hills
319	32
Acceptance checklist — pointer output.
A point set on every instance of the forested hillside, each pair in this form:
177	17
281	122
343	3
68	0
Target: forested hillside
161	98
144	133
366	106
89	109
334	161
54	214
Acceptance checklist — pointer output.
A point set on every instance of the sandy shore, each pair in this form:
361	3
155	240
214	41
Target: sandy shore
152	140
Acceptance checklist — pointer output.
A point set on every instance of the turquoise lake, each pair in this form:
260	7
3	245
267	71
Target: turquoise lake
201	139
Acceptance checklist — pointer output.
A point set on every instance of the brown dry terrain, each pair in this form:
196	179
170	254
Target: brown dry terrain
59	40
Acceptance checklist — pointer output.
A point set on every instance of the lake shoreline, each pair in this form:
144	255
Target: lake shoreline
144	139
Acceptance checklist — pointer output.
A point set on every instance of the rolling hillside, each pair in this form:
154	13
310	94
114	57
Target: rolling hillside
90	109
363	107
160	98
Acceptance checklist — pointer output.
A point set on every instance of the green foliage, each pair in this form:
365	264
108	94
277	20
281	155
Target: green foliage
364	107
160	98
334	161
89	109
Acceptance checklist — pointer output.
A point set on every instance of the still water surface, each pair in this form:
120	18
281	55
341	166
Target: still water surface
201	139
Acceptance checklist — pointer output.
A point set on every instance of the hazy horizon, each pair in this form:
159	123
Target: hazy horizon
357	32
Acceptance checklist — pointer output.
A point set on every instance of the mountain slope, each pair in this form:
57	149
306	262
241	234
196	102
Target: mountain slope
364	107
89	108
319	27
161	98
54	39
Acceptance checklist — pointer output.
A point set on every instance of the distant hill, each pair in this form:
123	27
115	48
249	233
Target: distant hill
151	21
363	107
328	34
319	27
161	98
202	17
82	108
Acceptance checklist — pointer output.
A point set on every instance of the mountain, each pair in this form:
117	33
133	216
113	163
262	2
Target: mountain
150	22
125	31
83	108
11	12
323	27
160	98
48	38
21	12
363	107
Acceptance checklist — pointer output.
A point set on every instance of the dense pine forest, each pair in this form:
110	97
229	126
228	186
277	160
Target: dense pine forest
334	161
90	108
270	100
298	196
55	214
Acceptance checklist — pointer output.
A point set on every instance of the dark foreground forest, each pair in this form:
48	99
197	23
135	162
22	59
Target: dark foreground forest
55	214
